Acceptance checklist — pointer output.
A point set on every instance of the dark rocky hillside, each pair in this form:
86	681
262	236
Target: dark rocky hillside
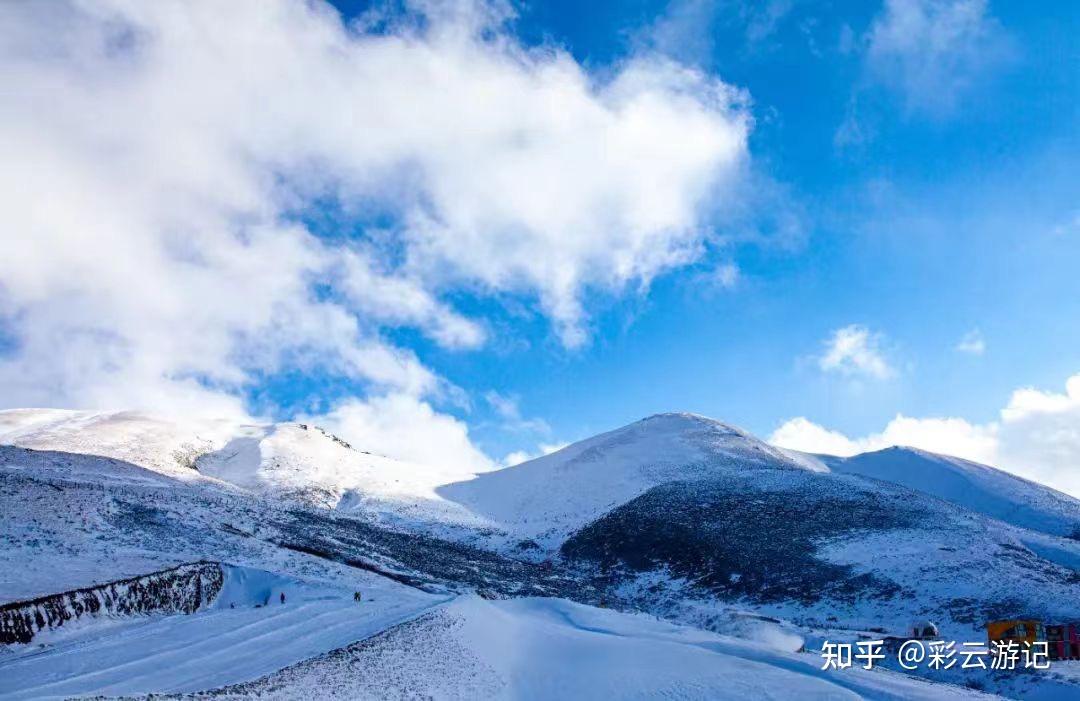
416	559
183	589
740	537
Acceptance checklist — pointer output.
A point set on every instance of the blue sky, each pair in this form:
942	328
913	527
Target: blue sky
465	230
944	220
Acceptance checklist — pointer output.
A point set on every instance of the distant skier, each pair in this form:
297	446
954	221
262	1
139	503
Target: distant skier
356	597
283	597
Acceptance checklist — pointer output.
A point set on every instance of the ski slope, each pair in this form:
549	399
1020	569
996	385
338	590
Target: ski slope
556	649
242	637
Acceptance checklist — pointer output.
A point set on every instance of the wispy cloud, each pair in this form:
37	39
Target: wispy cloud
508	409
972	343
933	51
855	351
927	55
722	276
687	29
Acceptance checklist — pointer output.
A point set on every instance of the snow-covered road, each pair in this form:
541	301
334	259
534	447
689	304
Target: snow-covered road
205	650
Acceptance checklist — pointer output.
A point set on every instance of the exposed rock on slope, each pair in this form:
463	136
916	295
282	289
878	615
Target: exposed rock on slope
752	537
183	589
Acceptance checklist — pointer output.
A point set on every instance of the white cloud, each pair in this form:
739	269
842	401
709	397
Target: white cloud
1036	436
1040	434
932	51
855	351
726	275
403	427
519	456
802	434
972	343
509	411
763	19
392	298
505	406
951	436
688	29
722	276
157	157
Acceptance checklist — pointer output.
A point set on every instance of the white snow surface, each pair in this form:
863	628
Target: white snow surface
292	460
157	443
247	633
555	649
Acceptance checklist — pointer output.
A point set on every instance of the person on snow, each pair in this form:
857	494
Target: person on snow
283	597
356	597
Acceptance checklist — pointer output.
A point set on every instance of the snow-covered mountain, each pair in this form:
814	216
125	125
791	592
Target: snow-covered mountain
550	497
981	488
678	512
166	446
296	461
677	515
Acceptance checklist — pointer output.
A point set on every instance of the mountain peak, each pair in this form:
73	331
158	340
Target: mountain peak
975	486
561	491
675	421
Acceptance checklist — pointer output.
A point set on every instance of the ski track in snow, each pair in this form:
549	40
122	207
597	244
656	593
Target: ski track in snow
201	651
556	649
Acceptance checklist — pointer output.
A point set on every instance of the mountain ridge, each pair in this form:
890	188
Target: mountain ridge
676	515
982	488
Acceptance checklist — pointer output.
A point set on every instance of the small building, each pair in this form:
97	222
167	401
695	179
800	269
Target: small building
1020	631
1063	641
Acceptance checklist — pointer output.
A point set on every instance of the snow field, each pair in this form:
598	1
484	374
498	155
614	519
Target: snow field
237	639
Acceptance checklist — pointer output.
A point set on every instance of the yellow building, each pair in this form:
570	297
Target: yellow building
1018	631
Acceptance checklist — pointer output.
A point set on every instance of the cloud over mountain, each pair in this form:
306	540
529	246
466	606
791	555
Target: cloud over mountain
1036	436
164	161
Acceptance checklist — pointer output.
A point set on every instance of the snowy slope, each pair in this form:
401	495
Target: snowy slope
65	528
817	548
980	488
548	498
555	649
684	516
238	640
165	446
675	515
305	463
289	460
